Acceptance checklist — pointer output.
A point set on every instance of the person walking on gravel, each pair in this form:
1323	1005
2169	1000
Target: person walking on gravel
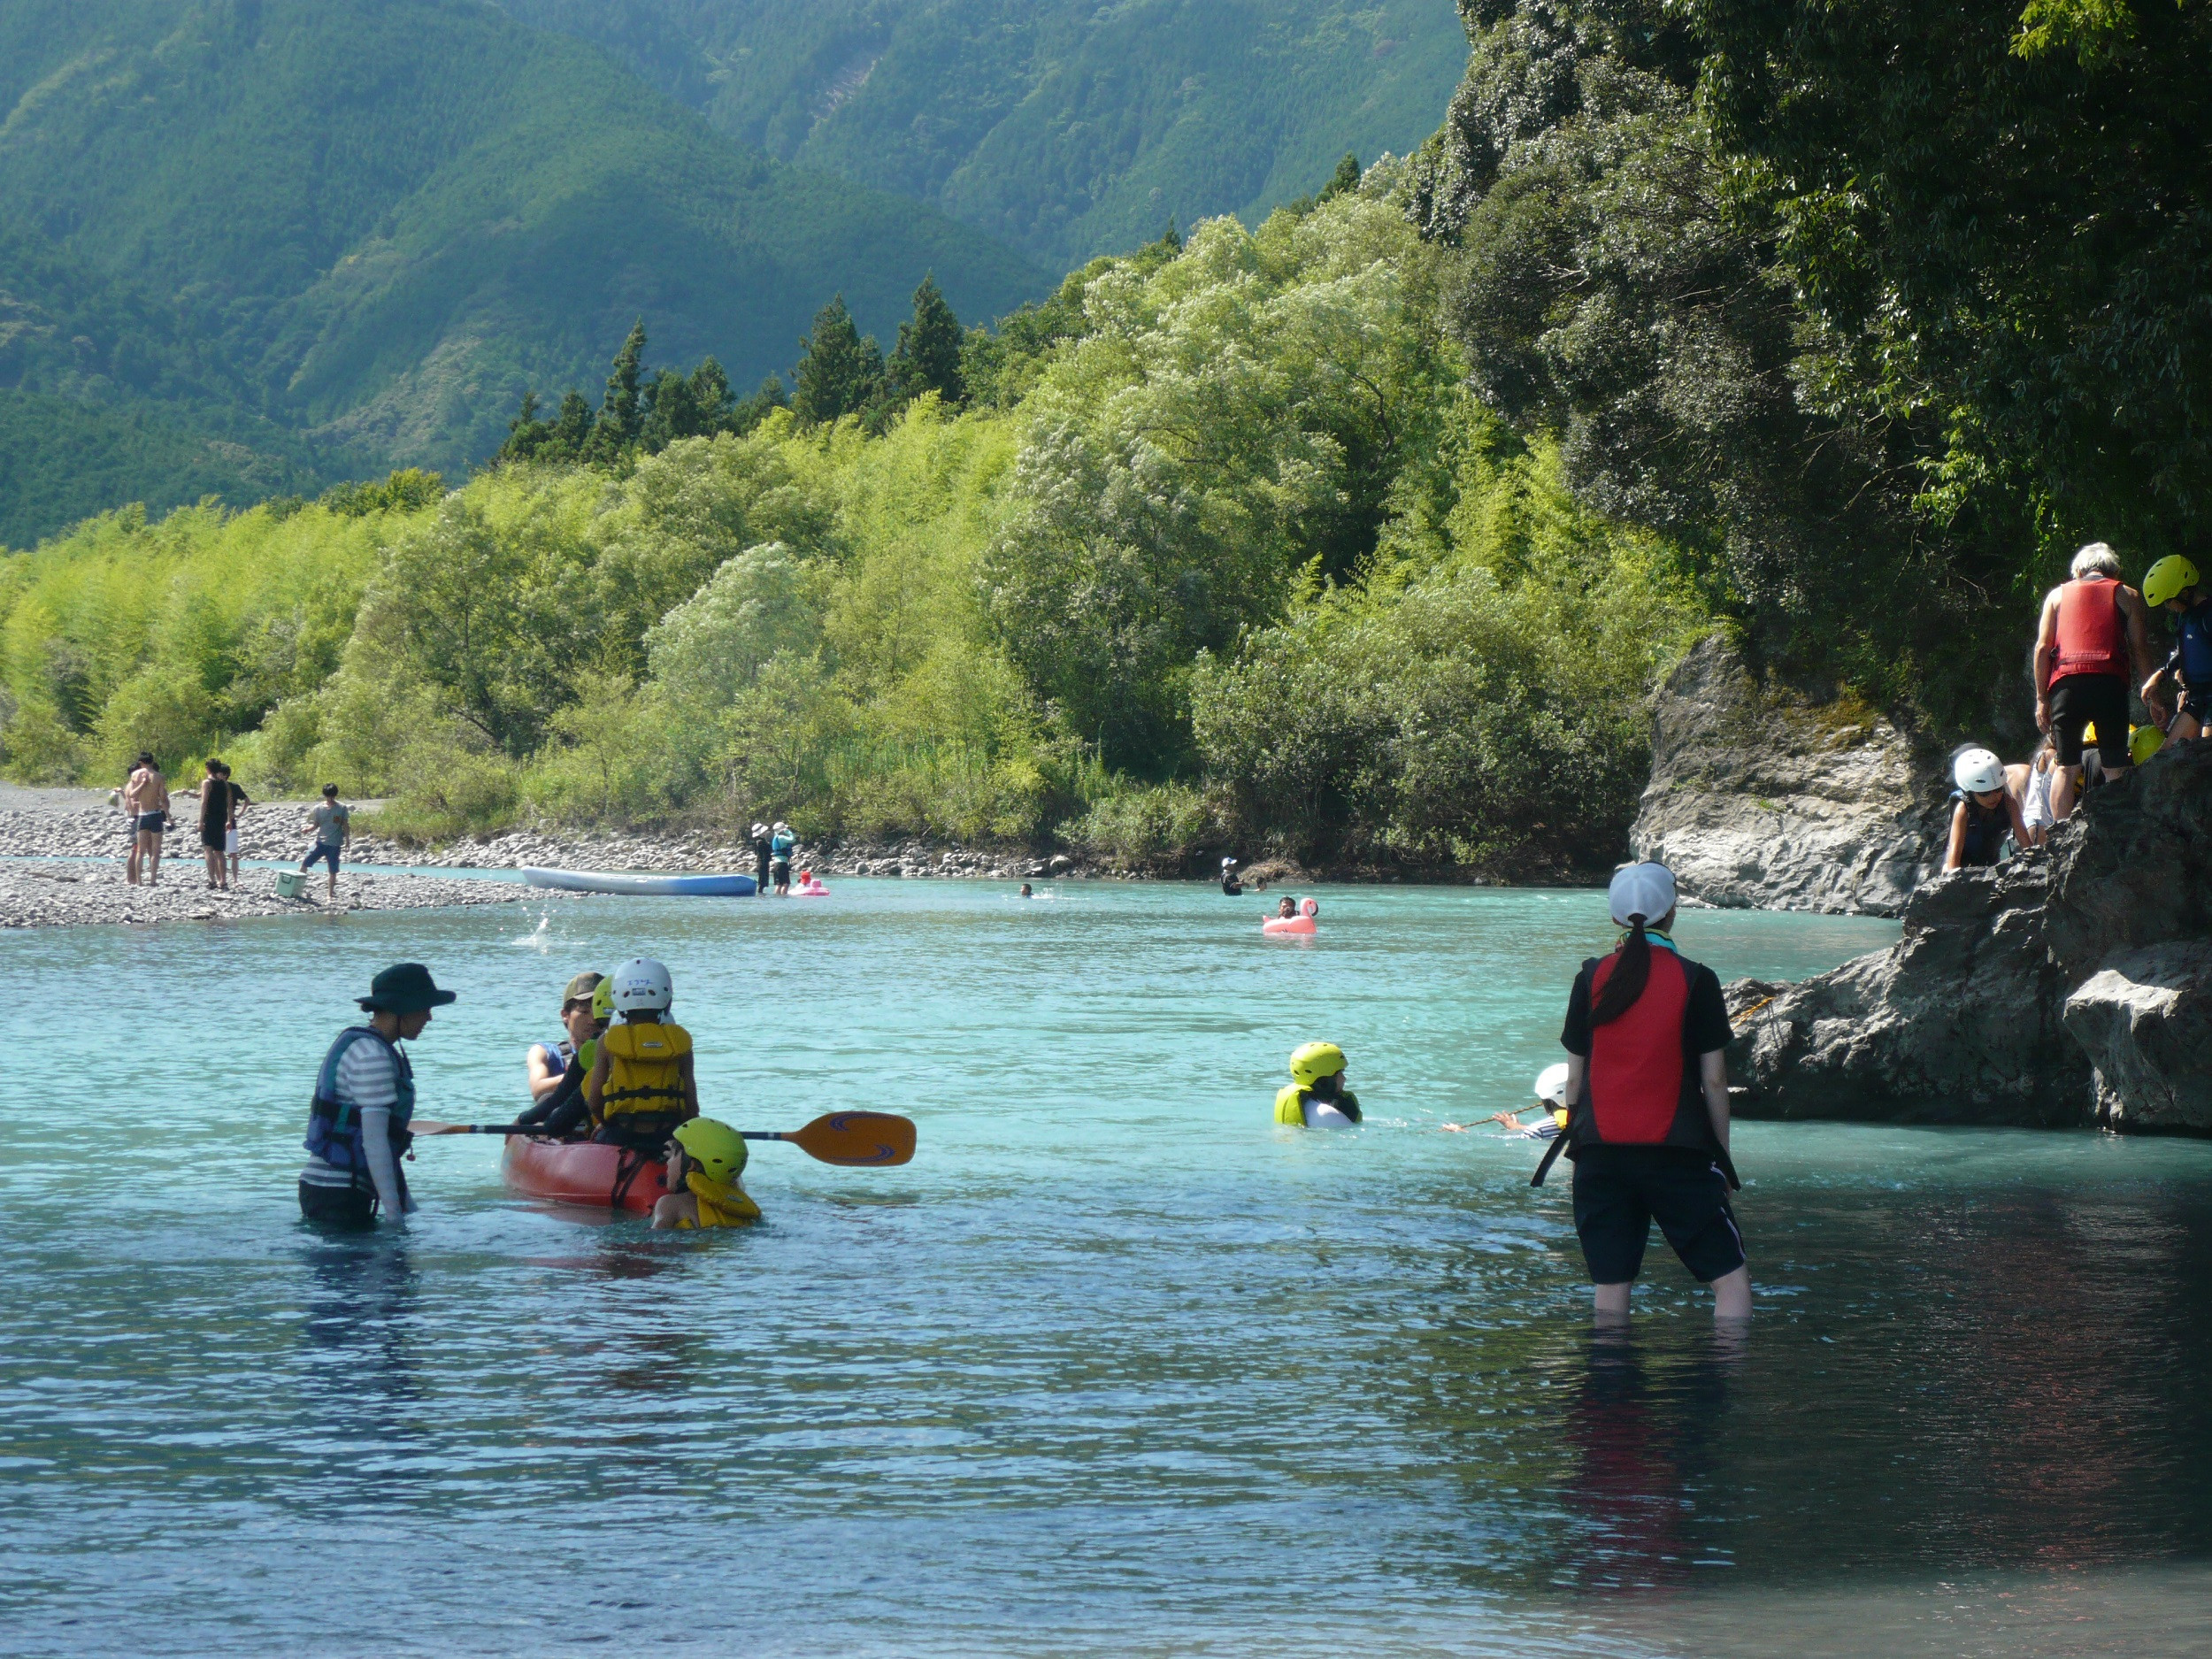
332	826
146	802
239	801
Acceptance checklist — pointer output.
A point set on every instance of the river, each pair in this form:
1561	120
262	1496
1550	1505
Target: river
1115	1366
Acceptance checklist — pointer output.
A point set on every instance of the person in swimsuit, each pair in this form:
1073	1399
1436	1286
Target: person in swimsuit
146	801
214	818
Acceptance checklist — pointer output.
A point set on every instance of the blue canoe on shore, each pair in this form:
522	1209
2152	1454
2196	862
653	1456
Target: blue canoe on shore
721	887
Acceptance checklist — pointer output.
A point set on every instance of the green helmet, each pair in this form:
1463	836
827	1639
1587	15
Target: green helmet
1315	1061
602	1000
2143	742
2167	579
716	1147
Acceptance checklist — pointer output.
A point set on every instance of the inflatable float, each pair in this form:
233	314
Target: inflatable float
809	888
714	887
582	1172
1302	923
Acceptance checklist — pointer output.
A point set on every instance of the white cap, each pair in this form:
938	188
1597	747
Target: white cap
1551	1084
1978	771
1226	863
1645	890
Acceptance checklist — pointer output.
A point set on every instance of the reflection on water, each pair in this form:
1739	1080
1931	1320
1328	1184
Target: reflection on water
1114	1366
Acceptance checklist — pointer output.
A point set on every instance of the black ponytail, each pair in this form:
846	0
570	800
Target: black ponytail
1628	978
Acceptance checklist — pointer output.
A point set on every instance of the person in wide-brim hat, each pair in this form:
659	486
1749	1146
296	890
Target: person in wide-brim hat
365	1096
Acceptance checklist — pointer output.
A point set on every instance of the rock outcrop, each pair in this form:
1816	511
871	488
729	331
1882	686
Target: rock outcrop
2071	986
1761	797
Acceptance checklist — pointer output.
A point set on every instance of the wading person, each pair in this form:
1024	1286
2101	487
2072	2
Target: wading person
2093	630
365	1095
331	825
2172	586
763	850
1984	814
146	803
1648	1123
779	846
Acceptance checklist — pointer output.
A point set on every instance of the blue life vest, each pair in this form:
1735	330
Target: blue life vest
334	1130
2193	646
1986	827
781	847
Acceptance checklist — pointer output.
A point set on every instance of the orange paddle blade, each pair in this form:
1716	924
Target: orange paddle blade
876	1138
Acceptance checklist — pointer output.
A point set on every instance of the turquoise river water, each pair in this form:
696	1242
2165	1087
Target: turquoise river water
1113	1367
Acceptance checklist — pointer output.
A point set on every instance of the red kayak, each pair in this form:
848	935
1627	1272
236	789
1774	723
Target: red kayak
583	1172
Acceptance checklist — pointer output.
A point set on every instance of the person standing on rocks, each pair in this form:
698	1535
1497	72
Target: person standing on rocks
214	826
2092	644
239	800
2172	584
333	827
146	802
1647	1122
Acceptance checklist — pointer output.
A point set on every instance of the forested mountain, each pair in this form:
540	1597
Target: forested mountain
283	236
1067	127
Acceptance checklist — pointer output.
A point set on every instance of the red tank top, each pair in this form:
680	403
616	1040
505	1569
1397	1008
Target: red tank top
2092	635
1636	1061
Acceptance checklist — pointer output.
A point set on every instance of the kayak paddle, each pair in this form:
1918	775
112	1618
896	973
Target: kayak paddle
852	1138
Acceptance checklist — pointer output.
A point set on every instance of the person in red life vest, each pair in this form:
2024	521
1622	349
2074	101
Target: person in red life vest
1647	1118
2091	645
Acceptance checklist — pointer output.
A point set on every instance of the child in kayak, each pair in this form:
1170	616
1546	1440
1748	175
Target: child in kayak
562	1110
641	1085
704	1165
1315	1097
548	1063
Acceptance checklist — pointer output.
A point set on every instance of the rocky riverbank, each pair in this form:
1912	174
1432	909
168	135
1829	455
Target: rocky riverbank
65	894
1763	798
2071	986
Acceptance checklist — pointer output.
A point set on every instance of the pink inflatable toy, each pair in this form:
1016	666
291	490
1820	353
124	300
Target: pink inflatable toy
1302	923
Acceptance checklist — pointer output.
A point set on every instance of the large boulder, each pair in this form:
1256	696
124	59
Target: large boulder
2065	986
1762	797
2145	1020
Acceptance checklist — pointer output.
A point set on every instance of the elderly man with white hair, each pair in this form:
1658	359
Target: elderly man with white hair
2092	646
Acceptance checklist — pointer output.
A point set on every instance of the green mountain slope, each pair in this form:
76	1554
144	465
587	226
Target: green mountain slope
374	222
1067	127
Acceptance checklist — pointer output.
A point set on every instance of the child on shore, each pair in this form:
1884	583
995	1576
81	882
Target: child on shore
704	1165
1315	1097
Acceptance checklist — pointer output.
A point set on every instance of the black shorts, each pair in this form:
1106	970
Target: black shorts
2098	700
1620	1191
337	1206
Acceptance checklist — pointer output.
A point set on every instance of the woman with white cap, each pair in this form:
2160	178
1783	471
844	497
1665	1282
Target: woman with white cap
1648	1113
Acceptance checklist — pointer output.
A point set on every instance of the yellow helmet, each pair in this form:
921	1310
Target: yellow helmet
2143	742
2167	578
1315	1061
717	1149
603	1000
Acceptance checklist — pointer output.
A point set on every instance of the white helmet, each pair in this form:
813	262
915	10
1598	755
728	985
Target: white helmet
1228	864
1551	1085
640	983
1978	771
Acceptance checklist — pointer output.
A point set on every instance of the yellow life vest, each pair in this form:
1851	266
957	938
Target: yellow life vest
645	1071
1290	1105
721	1203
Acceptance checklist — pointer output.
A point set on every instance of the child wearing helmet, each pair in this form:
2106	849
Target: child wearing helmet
641	1085
1315	1097
705	1162
2173	586
1986	811
1550	1108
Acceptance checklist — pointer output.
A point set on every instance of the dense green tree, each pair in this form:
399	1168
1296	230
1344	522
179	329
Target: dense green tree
621	412
841	370
927	355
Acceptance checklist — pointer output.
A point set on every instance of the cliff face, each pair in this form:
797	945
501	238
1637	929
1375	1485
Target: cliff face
1761	798
2072	986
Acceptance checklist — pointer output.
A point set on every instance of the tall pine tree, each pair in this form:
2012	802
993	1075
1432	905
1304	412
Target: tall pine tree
841	371
927	355
620	418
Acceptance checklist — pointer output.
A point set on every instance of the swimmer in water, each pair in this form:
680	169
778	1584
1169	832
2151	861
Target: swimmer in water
1026	892
1315	1097
705	1160
1230	885
1286	908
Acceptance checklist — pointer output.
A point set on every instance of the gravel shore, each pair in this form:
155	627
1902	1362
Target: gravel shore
76	827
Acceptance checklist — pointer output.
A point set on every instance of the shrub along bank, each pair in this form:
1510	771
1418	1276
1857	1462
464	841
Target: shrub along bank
1214	548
